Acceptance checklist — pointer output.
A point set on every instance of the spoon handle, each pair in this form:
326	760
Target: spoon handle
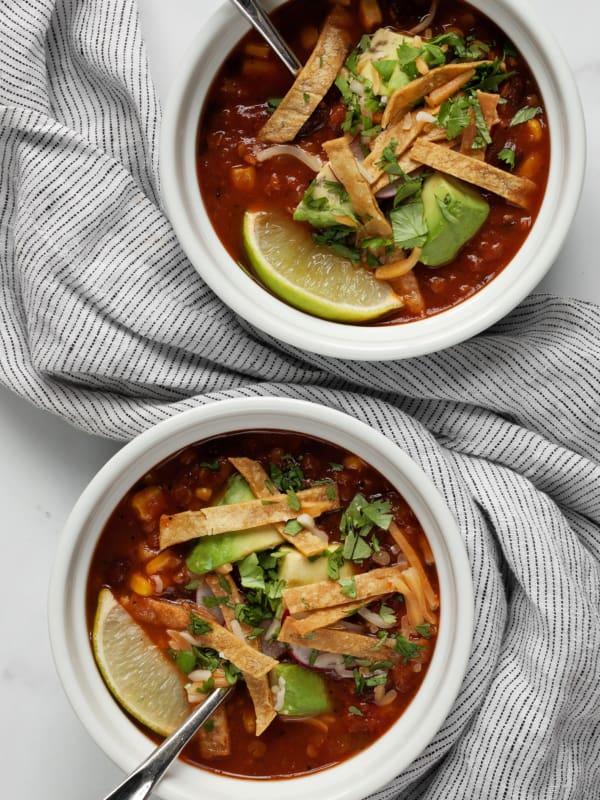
257	17
142	780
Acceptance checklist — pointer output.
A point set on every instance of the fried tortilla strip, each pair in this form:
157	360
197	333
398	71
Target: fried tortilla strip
333	640
413	559
511	187
402	99
258	688
212	520
178	617
312	82
252	471
489	104
326	616
398	137
329	593
216	742
445	92
346	169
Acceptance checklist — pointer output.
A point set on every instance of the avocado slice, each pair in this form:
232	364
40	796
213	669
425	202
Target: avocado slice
325	203
304	691
297	570
211	552
454	212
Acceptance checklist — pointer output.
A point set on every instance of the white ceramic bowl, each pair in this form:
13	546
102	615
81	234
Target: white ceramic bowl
248	299
122	741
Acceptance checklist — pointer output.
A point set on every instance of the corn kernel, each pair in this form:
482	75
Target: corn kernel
140	585
257	50
243	178
353	462
149	503
531	166
162	561
534	130
203	493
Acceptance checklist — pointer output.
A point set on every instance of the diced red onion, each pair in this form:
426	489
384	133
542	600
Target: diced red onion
375	619
308	159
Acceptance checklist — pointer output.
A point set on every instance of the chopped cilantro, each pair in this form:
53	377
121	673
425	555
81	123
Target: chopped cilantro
336	238
292	527
306	98
330	492
357	522
424	630
356	711
385	67
348	587
335	559
525	114
198	625
508	156
313	657
407	649
251	573
293	500
273	103
213	466
224	583
192	585
408	225
209	725
287	476
455	115
212	602
336	467
387	615
185	659
231	672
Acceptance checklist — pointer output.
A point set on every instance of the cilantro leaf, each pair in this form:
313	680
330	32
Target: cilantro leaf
198	625
507	155
251	573
525	114
348	587
335	559
408	650
292	527
185	659
408	225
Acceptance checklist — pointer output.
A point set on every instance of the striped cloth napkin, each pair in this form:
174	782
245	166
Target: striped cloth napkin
104	322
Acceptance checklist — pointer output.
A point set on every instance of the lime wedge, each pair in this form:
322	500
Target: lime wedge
310	277
141	677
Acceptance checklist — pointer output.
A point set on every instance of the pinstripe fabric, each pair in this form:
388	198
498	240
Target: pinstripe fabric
105	323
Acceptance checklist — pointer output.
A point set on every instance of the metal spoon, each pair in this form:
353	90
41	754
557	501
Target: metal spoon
257	17
142	780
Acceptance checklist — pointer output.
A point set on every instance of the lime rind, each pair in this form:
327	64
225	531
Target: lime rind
310	277
140	676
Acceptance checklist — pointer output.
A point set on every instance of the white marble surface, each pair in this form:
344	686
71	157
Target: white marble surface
45	752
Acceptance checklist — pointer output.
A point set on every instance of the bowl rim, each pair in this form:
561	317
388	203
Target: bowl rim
108	725
185	208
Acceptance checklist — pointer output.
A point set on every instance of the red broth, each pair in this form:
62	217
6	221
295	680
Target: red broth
126	553
238	105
